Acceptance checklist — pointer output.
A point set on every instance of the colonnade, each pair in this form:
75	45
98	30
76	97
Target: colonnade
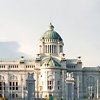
50	49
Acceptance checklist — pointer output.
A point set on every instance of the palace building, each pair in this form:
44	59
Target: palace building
54	74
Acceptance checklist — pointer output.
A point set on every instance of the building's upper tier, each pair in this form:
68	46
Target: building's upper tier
51	34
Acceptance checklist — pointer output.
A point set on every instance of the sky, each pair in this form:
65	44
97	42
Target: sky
22	22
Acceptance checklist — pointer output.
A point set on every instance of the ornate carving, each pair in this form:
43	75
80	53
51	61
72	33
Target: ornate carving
70	75
30	75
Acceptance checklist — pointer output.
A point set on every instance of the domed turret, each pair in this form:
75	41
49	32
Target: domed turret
50	27
51	42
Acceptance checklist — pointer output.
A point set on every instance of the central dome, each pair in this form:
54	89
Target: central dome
51	34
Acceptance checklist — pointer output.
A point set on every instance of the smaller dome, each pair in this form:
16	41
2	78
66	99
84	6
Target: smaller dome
50	62
50	27
51	34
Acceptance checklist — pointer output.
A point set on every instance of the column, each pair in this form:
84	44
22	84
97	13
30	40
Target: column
55	81
22	87
37	84
72	91
63	81
46	87
43	47
7	84
3	88
30	87
70	87
27	88
77	86
47	48
24	84
66	91
97	88
58	48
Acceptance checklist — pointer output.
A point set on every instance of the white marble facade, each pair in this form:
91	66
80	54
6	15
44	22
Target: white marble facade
50	73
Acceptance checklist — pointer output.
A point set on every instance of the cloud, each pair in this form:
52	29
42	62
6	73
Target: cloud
9	50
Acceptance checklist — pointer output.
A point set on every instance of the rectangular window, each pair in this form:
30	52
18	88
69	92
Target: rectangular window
9	83
58	83
50	88
16	83
58	87
10	88
0	83
13	85
50	82
50	85
16	95
16	88
13	88
13	95
0	88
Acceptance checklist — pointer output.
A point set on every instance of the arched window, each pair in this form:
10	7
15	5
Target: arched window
13	83
13	86
2	83
50	84
13	77
90	81
90	86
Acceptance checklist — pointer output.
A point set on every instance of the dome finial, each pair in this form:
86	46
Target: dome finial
50	27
